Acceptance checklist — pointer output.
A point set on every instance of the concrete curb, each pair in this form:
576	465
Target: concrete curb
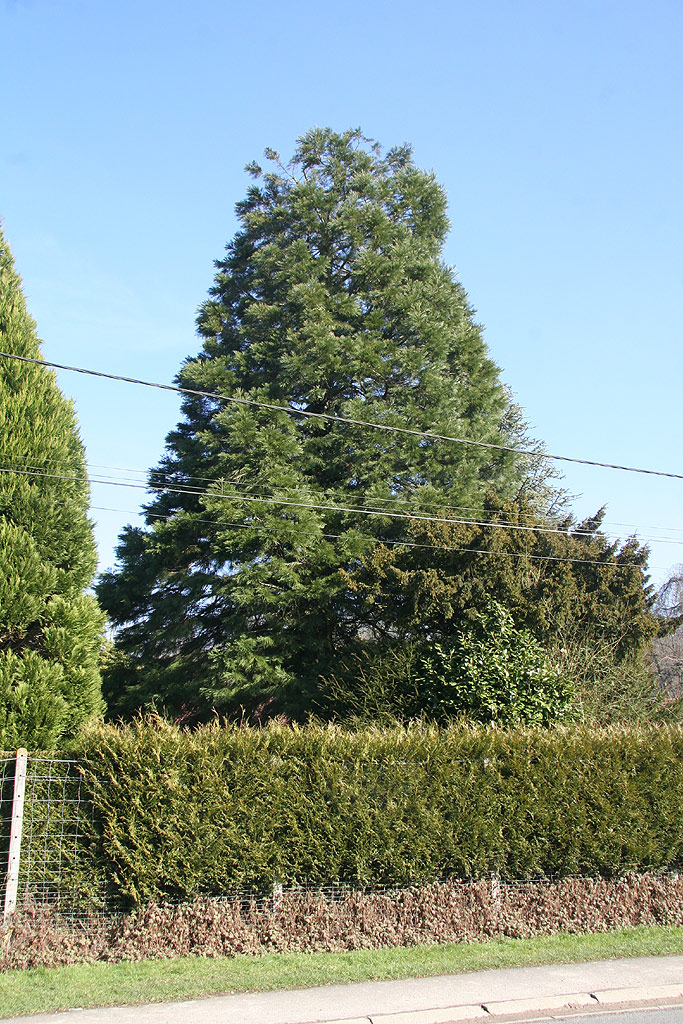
648	994
512	1007
441	1016
507	1008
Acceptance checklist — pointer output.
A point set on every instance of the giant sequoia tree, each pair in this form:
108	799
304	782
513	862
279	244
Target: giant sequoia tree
50	629
332	298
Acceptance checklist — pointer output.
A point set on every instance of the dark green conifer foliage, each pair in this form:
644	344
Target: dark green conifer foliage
333	298
562	580
583	597
50	630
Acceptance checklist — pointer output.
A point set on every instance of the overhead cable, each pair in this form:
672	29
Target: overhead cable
317	507
298	532
289	410
347	495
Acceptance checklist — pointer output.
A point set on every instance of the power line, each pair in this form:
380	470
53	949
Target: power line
247	495
266	499
298	531
339	419
392	543
326	492
349	495
274	500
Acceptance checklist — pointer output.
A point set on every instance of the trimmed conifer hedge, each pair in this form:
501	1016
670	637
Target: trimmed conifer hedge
181	813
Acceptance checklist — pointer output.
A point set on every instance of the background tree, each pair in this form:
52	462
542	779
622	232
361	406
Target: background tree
50	629
332	298
584	598
560	579
667	650
669	603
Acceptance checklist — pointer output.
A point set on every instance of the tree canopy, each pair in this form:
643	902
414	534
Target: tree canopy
245	587
560	579
50	628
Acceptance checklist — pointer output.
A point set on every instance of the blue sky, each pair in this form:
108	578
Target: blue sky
554	127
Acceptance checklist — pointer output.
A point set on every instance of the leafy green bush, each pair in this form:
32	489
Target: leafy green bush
492	672
486	671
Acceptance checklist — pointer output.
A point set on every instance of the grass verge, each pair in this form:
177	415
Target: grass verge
43	990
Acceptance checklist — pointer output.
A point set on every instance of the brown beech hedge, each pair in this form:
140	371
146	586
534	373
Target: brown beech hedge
315	923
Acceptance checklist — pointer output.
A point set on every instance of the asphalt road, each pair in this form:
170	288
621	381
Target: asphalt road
656	1015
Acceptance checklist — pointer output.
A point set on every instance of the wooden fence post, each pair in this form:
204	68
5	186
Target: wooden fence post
15	833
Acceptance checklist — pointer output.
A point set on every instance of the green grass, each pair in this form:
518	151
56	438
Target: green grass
42	990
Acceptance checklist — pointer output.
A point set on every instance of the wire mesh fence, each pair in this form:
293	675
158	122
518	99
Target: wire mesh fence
6	794
332	919
6	798
54	870
56	866
53	828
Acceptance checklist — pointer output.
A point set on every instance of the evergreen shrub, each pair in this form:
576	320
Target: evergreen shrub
50	626
179	814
